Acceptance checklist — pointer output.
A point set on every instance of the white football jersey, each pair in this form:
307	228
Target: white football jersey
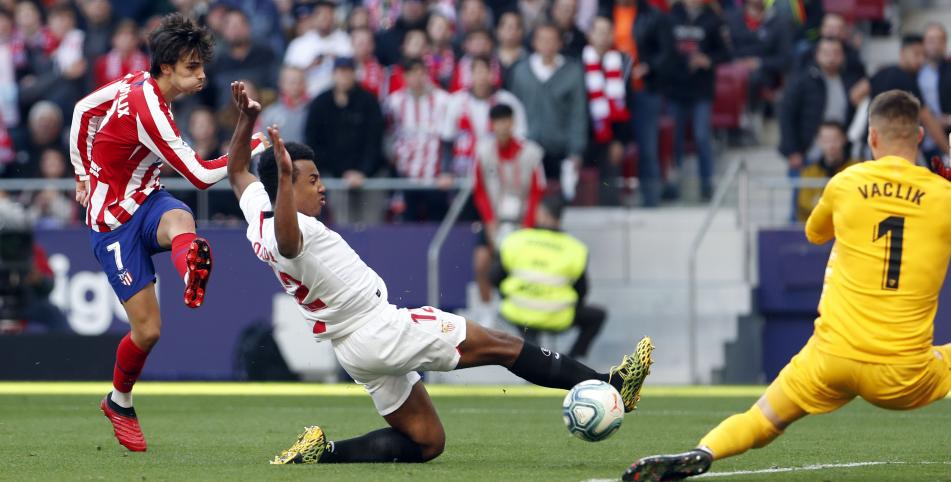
336	291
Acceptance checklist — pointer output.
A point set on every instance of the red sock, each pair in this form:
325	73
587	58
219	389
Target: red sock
129	362
180	246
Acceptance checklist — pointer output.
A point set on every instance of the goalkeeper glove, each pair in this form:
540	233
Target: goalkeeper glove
940	167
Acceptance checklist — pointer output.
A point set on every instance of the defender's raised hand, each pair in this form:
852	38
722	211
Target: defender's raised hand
281	156
246	105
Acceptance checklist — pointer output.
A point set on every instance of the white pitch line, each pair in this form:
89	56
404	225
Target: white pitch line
805	468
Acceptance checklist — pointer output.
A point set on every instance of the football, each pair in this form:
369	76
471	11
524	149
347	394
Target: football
593	410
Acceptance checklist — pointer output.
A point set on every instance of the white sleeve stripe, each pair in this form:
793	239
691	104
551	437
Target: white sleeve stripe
95	99
182	150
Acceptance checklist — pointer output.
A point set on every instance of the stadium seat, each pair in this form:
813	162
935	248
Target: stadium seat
730	96
853	10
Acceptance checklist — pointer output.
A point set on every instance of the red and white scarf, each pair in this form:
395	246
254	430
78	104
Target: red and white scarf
441	65
371	75
604	82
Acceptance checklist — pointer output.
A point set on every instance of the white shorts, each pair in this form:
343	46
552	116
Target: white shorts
385	354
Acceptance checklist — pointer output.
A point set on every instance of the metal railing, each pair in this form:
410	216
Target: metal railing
435	246
737	171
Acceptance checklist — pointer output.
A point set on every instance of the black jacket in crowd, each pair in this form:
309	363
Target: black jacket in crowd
706	34
803	106
854	66
653	33
345	138
771	43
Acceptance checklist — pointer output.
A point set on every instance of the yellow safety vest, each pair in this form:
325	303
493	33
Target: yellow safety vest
542	267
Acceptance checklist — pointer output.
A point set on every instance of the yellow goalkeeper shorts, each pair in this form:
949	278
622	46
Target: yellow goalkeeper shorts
819	382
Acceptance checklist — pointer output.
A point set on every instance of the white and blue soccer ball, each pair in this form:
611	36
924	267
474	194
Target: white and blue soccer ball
593	410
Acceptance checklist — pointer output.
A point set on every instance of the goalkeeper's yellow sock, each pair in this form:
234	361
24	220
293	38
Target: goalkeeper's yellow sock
740	433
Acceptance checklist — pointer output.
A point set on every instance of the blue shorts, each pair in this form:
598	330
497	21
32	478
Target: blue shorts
125	253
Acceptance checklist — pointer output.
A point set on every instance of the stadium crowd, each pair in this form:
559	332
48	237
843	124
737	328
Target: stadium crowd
606	90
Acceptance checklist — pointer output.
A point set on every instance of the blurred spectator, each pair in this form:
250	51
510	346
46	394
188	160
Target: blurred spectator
242	58
542	277
370	73
563	13
467	122
45	124
701	46
52	67
934	81
315	50
202	133
551	87
762	42
645	33
358	18
534	13
345	128
473	16
382	14
904	76
441	57
510	34
124	58
479	43
99	25
509	183
10	49
817	95
414	47
265	17
202	136
290	110
834	149
607	82
389	42
52	208
833	26
415	115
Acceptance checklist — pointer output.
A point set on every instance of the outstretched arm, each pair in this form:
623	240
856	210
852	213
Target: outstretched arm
286	229
239	157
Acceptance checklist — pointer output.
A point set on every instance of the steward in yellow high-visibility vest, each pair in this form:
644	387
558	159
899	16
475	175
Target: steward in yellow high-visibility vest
541	274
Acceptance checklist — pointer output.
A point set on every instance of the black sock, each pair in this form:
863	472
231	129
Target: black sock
384	445
546	368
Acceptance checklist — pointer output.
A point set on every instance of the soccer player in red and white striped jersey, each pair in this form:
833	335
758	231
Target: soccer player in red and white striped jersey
120	136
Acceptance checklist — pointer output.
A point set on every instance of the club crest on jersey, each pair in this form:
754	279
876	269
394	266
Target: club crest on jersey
448	326
125	277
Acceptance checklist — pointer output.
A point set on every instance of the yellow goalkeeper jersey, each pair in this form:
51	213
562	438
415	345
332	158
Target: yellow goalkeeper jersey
891	221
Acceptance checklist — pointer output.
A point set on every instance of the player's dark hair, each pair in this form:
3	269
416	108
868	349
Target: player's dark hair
176	38
895	114
910	39
501	111
267	164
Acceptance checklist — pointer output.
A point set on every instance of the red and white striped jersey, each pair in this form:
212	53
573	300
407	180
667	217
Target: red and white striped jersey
415	124
120	135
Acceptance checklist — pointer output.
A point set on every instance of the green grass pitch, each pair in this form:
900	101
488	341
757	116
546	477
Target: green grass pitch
228	432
